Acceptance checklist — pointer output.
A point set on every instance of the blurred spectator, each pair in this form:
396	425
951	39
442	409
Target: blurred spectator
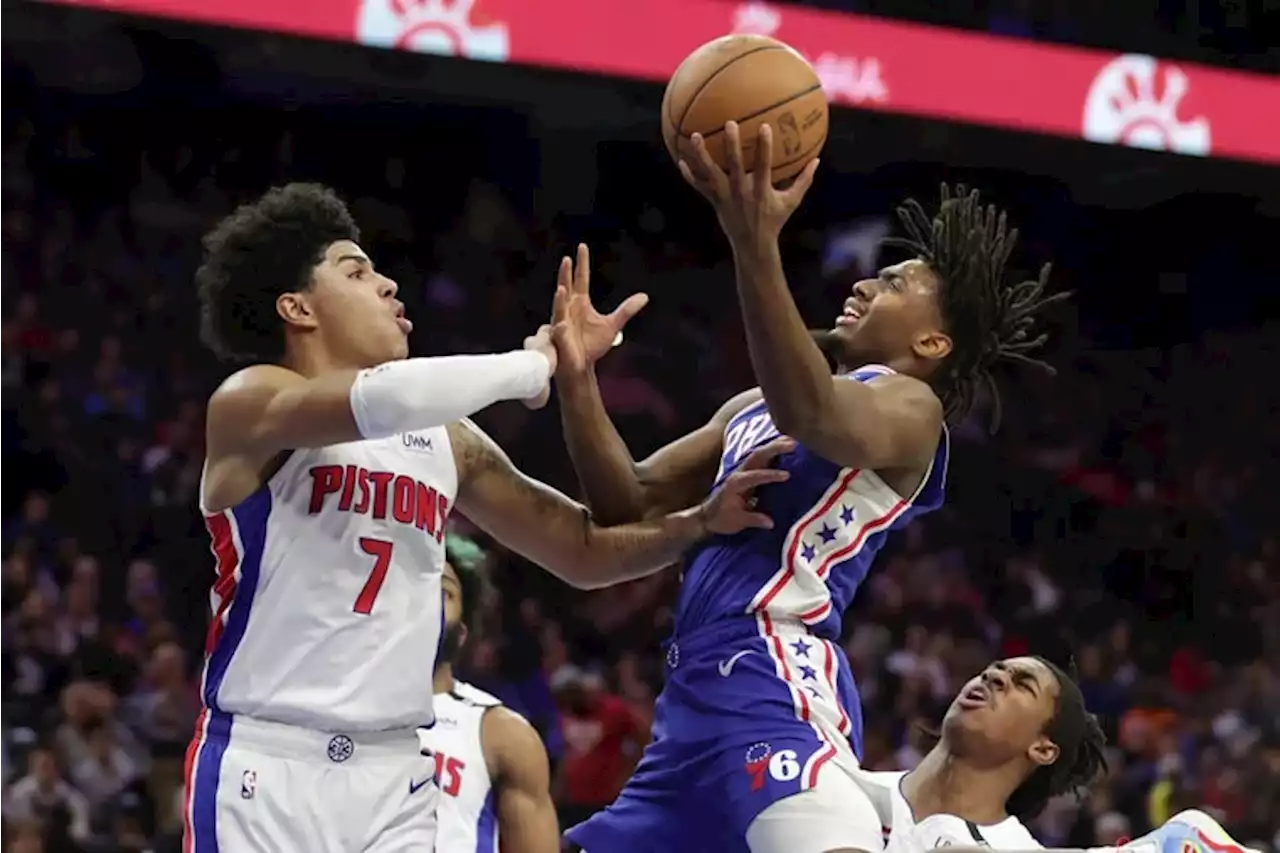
43	796
164	706
601	743
1124	513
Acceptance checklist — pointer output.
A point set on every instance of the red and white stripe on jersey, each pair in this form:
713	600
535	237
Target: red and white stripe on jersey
812	704
225	545
856	506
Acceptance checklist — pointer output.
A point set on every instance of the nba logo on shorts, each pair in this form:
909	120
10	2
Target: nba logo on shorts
340	748
248	784
757	761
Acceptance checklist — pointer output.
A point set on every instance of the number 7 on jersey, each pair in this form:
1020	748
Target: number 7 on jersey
380	550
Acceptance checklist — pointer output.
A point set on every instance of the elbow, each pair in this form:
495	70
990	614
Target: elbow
625	505
587	582
594	568
587	576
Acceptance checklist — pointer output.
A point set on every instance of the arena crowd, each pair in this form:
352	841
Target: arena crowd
1123	515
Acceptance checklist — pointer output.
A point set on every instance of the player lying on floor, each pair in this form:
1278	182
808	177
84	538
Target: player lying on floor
1016	736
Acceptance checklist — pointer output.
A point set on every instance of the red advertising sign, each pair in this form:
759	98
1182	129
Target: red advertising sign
865	62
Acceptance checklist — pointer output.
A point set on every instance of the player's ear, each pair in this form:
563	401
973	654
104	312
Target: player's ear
462	634
295	309
1043	752
933	344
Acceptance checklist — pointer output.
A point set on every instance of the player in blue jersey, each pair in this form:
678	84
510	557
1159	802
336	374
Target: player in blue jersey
758	726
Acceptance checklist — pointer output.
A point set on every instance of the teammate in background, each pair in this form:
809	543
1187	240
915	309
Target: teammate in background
1017	735
333	463
491	766
759	721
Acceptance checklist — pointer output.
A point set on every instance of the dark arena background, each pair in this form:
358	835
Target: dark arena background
1125	513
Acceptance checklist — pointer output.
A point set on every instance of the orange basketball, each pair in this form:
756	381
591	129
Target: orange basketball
752	80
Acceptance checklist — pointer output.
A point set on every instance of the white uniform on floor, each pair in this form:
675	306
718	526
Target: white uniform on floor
468	821
903	834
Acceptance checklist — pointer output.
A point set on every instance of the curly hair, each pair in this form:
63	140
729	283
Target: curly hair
260	251
989	318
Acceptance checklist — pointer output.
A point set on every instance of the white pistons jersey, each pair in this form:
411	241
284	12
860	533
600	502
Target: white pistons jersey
903	834
467	816
327	609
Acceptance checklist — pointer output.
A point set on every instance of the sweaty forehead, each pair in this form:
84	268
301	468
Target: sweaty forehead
451	576
917	274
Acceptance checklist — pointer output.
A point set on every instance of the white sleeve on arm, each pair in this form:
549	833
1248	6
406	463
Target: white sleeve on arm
418	393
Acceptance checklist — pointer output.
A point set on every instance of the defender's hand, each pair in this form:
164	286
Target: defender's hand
540	341
750	208
582	334
732	506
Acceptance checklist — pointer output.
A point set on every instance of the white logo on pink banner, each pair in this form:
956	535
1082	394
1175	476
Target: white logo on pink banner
756	19
431	26
845	79
1122	107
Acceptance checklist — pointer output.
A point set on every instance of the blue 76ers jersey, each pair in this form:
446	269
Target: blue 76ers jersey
829	522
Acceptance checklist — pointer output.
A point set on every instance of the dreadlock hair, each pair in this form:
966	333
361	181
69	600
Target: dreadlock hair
989	320
1081	750
468	560
260	251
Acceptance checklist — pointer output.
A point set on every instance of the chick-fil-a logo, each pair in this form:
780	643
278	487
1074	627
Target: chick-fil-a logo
1127	105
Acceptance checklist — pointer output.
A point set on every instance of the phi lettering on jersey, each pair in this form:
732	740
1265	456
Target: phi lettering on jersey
448	773
745	435
380	494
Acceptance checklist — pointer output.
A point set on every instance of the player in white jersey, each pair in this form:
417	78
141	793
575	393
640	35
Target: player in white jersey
491	766
333	462
1016	735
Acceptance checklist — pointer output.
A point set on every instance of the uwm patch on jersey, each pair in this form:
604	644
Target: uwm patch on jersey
326	602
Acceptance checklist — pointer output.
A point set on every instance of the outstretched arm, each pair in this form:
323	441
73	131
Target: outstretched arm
267	409
892	423
559	534
616	487
517	763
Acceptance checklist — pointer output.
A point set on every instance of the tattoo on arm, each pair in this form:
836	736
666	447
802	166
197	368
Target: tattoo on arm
481	457
555	531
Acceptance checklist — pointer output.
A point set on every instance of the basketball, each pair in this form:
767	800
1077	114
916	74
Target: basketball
752	80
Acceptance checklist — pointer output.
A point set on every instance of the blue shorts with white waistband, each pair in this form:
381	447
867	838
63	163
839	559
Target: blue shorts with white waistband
750	712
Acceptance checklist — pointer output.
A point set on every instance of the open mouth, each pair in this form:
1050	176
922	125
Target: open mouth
852	313
977	696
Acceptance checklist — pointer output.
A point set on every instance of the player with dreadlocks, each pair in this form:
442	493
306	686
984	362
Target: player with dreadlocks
1017	735
759	721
